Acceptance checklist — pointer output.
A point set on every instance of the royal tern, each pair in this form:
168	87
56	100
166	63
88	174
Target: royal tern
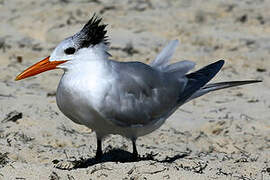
131	99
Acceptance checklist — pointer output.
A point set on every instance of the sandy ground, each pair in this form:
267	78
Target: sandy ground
223	135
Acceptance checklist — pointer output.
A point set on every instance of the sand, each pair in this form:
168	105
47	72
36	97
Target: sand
223	135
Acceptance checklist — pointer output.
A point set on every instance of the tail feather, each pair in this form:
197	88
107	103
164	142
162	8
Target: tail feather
165	55
180	68
221	85
198	79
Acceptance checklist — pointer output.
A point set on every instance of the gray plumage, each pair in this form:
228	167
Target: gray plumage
144	94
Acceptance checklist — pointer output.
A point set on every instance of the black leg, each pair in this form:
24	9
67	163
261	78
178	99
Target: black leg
135	152
99	149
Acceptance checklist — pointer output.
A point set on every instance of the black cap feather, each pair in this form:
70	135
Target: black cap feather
92	33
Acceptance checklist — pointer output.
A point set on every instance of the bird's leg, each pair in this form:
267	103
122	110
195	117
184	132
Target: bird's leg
135	152
99	149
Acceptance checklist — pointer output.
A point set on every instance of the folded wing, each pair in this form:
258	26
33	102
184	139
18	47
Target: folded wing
140	94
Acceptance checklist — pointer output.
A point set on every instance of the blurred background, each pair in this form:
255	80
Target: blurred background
232	124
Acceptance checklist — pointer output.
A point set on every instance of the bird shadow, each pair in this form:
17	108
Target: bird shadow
122	156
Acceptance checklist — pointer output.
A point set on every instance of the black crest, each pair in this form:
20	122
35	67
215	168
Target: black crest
93	33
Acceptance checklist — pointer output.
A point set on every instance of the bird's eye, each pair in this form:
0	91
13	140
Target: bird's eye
70	50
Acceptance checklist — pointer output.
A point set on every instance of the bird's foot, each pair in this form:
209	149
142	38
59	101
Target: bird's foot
135	157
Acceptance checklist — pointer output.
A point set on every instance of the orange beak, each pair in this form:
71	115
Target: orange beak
42	66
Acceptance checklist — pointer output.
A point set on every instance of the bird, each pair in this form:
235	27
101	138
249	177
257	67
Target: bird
131	99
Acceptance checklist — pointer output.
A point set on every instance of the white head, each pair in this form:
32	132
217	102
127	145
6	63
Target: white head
90	43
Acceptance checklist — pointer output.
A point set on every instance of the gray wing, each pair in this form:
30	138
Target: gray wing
140	94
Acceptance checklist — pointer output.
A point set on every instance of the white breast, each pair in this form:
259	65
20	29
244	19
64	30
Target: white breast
80	93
